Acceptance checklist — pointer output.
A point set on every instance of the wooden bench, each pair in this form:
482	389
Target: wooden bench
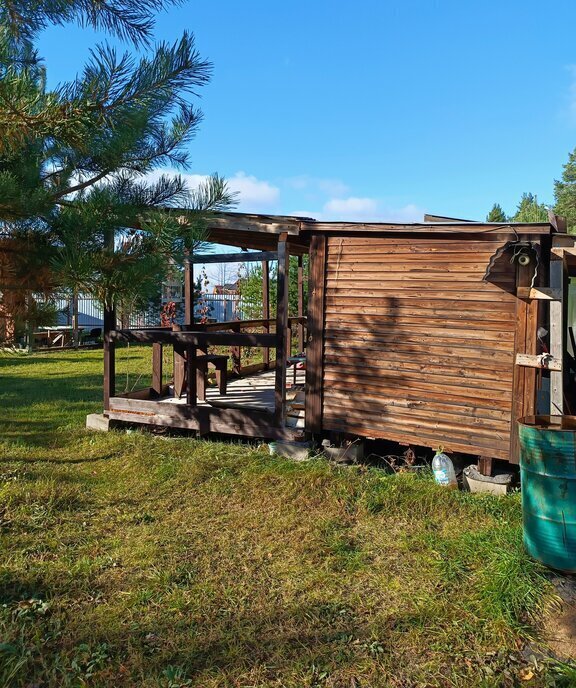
220	362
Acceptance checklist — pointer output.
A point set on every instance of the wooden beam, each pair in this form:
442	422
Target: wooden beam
244	257
245	222
281	330
198	339
558	282
260	241
235	325
203	419
535	361
315	344
432	228
567	240
557	221
563	251
539	293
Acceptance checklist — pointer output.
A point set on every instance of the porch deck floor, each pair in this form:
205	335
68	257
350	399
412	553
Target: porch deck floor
257	392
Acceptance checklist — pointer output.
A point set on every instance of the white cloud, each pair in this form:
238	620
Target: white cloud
355	209
261	196
408	213
254	194
351	208
328	186
332	187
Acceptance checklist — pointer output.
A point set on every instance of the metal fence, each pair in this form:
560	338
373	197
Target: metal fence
215	307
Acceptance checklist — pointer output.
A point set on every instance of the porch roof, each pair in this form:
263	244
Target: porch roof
261	232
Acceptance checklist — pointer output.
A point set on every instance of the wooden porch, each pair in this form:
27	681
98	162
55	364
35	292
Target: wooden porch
265	399
262	400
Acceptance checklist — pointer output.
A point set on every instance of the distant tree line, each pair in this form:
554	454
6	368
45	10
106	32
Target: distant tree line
530	209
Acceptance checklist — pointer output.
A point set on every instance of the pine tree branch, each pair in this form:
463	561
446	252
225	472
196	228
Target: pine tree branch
81	185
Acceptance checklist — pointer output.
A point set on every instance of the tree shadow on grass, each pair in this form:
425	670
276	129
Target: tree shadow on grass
26	391
29	423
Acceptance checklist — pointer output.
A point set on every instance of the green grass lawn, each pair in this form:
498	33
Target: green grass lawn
136	560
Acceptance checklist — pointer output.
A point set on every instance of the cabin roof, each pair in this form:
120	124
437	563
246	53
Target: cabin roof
261	232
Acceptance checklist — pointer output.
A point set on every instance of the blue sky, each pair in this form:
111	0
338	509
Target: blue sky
375	110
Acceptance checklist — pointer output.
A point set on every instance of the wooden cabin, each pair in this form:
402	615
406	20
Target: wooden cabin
425	334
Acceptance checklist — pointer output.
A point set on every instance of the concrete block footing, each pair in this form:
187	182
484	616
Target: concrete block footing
97	421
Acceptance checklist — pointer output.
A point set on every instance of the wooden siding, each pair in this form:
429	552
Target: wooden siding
417	347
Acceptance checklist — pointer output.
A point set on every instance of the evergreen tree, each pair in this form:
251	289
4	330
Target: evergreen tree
529	210
74	161
565	192
250	287
496	214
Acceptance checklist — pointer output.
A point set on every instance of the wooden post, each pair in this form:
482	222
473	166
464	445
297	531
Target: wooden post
157	368
188	290
28	330
485	465
236	353
188	355
109	324
288	337
109	356
300	304
557	335
266	307
191	397
281	329
75	330
315	347
179	365
524	379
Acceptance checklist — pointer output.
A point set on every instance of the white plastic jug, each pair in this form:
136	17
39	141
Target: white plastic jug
443	469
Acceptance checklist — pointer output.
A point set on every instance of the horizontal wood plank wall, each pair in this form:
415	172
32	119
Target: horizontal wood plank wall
417	347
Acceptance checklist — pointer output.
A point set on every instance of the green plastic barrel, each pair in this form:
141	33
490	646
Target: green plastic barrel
548	474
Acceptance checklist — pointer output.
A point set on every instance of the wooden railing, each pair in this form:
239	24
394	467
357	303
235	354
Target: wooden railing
295	324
